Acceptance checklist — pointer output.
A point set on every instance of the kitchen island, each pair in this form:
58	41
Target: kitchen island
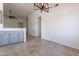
12	35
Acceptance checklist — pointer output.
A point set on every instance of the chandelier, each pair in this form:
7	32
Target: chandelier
43	6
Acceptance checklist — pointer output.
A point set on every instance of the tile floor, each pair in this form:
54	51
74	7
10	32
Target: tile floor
37	47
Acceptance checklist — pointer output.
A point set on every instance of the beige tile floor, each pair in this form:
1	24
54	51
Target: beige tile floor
37	47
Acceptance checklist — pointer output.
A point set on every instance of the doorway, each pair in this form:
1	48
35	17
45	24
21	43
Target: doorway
39	26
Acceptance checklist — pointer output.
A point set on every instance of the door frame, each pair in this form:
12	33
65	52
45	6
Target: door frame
39	26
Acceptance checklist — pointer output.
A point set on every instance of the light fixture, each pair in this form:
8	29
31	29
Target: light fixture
11	16
43	6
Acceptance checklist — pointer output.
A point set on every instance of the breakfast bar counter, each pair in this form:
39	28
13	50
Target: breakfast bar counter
12	35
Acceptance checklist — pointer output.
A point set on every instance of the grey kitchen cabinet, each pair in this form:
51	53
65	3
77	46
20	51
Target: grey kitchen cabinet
21	36
10	37
4	38
14	38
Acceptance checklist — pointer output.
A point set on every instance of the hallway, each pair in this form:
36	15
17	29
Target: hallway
37	47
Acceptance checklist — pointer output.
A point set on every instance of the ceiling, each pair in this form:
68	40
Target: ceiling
21	10
18	9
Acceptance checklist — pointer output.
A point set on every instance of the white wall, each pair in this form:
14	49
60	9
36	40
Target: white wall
60	25
1	6
1	9
13	23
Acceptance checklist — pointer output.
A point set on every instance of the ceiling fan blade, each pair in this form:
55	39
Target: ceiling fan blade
56	5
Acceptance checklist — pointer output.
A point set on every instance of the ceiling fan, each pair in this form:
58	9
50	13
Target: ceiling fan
10	16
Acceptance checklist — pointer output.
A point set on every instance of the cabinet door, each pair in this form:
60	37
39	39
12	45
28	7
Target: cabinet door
13	37
21	36
4	38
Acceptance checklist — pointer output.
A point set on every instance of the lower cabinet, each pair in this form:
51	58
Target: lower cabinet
4	38
21	36
14	37
10	37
